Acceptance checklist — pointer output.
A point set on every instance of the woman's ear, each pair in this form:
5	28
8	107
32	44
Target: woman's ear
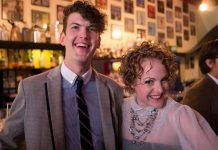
62	37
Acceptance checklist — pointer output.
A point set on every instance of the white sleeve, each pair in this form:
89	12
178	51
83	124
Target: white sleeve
193	130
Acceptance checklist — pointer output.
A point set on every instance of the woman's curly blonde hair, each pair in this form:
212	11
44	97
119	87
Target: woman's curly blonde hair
131	68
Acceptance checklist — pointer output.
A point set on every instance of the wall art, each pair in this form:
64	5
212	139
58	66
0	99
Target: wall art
115	12
12	10
44	3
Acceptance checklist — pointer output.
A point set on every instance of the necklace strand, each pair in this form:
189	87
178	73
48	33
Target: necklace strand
140	129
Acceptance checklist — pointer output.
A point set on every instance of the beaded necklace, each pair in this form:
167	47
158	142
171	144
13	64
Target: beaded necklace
139	129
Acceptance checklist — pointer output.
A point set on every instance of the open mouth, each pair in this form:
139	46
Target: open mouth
82	45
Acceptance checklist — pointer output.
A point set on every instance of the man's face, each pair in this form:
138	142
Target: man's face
80	40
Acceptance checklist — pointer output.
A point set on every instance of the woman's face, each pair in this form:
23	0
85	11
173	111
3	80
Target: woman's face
151	89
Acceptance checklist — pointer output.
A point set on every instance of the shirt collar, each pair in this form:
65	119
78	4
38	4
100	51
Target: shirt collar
213	78
71	77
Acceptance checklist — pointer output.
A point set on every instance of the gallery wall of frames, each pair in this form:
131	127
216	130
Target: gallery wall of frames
171	22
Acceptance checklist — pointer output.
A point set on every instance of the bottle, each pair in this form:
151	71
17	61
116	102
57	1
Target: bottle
47	35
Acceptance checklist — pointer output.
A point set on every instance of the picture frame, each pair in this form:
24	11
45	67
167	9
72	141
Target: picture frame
160	6
60	13
129	25
128	6
151	11
178	26
185	7
44	3
115	12
40	18
192	16
185	21
116	32
141	34
151	1
186	35
12	10
101	4
161	37
151	28
140	18
192	30
169	4
178	12
179	41
169	16
140	3
160	22
170	32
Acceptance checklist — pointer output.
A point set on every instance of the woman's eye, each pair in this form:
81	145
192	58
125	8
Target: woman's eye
149	82
165	79
93	29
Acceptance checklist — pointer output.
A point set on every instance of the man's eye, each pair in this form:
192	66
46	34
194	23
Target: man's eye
75	27
149	82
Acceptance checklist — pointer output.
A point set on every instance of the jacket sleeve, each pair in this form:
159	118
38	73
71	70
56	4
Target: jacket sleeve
12	133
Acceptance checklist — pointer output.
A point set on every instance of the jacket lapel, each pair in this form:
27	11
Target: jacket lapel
106	112
56	109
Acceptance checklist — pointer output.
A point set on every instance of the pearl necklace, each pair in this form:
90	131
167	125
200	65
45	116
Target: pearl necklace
139	129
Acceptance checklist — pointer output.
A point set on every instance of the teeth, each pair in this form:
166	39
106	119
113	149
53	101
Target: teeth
82	45
155	97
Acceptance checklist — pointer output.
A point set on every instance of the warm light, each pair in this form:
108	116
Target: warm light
116	34
203	7
116	65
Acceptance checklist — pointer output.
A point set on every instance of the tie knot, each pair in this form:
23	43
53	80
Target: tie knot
79	84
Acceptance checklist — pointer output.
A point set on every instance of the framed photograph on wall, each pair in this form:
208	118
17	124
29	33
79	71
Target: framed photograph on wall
178	12
186	35
160	22
185	21
160	6
140	17
192	30
60	14
178	26
115	12
170	32
40	18
128	6
151	28
44	3
170	4
192	16
151	11
169	16
116	32
185	7
12	10
151	1
161	37
141	33
129	25
140	3
179	41
101	3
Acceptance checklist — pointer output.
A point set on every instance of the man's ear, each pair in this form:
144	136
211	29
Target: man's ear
209	62
62	37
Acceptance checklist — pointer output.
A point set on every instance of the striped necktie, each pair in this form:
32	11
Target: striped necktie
85	130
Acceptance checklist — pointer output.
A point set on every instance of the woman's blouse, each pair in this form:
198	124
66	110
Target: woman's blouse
174	127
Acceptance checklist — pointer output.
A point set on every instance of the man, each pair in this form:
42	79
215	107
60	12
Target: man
203	95
45	113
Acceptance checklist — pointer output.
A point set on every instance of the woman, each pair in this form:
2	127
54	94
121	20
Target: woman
151	119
